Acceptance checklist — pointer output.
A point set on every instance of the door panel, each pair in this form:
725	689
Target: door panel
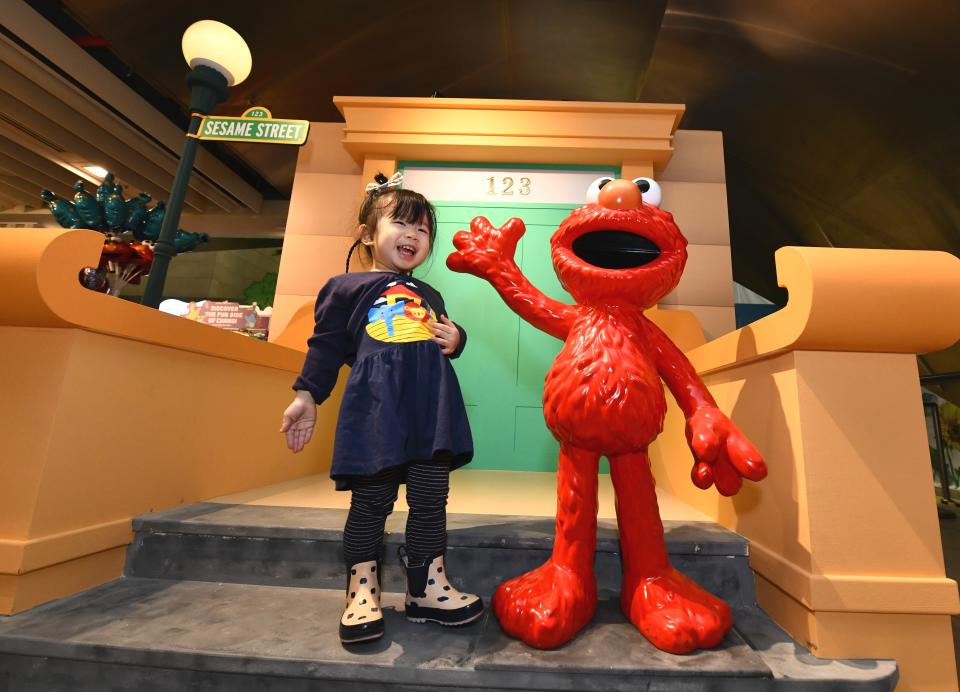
504	364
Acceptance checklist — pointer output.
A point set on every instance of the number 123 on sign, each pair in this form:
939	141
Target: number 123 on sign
507	185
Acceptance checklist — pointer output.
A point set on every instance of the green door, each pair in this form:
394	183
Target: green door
505	362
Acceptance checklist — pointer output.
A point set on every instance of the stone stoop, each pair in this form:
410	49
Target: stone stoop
239	597
299	546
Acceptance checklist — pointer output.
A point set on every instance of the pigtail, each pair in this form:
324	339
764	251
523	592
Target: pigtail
373	189
353	247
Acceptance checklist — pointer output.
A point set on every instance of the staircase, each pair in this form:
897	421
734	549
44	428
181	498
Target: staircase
242	597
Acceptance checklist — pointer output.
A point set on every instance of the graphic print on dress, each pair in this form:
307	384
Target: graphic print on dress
400	314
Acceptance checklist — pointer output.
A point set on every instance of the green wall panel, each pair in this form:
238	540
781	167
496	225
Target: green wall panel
503	367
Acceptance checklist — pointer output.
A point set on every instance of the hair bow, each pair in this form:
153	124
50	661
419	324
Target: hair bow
396	180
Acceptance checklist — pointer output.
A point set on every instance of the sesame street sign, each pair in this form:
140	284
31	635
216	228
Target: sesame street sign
255	125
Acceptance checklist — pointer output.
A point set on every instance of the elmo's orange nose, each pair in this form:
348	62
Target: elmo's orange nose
620	194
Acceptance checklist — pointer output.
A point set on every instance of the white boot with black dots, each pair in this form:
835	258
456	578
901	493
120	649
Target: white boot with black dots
362	619
431	597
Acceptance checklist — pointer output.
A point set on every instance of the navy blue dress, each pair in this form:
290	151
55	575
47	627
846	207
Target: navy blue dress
402	401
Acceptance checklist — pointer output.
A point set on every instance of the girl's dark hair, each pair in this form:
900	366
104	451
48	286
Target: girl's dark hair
404	205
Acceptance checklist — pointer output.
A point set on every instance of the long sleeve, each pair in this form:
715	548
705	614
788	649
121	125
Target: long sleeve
330	345
441	309
463	341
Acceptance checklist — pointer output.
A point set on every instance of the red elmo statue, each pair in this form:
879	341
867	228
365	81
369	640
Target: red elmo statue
617	256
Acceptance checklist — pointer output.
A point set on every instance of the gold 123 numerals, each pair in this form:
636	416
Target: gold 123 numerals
507	186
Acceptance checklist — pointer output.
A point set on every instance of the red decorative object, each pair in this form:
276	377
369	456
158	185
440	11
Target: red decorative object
603	397
142	253
124	262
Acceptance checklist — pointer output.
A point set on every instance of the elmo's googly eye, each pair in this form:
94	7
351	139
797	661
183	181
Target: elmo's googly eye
593	192
650	190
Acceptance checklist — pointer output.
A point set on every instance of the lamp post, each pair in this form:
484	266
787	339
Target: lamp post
220	58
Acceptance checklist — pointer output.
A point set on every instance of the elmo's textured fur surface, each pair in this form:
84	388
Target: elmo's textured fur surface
603	397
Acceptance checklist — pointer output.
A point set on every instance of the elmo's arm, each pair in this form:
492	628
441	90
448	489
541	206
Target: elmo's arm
674	368
722	454
488	252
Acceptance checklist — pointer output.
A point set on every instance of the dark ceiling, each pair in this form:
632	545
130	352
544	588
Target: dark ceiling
839	117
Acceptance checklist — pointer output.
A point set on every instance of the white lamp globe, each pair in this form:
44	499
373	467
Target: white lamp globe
216	45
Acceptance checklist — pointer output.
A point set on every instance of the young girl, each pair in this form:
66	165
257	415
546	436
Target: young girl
402	418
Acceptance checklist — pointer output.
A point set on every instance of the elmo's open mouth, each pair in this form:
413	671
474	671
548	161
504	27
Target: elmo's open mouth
615	249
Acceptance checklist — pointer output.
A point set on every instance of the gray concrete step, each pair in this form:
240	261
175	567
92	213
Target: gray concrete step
160	634
291	546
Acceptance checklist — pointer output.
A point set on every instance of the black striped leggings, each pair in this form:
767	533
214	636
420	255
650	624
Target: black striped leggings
428	484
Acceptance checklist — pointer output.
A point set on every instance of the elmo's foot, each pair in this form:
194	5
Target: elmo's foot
674	613
546	606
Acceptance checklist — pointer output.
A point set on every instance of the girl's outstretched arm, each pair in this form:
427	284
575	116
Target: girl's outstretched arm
329	345
488	252
327	351
299	419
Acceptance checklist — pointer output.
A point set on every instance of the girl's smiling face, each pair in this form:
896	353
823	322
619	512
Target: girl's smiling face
397	245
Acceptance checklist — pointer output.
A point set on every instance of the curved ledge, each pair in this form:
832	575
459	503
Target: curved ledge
38	274
870	301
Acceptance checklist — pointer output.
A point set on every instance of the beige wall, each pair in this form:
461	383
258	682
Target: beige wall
323	208
695	192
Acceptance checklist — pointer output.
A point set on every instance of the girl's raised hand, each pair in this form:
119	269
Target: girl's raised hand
446	334
298	420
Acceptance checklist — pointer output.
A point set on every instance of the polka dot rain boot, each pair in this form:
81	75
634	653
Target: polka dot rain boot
431	597
362	619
